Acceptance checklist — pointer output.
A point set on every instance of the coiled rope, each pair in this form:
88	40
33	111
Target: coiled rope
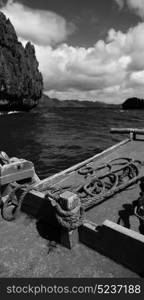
96	188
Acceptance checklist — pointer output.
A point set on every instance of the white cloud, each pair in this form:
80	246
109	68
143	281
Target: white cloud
137	6
109	71
138	77
80	68
40	26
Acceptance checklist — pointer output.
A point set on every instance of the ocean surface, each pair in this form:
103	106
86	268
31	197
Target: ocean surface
54	139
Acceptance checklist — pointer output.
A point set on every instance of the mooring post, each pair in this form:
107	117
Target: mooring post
69	202
69	238
132	135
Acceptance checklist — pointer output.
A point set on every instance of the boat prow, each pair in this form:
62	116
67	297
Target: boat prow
98	202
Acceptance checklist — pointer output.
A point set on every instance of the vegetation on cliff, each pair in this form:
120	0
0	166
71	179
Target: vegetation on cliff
20	80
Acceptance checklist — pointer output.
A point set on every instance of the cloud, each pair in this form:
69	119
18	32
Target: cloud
84	69
39	26
109	71
120	3
137	6
137	78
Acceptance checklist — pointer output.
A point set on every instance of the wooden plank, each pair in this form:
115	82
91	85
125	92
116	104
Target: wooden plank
90	234
124	231
119	243
32	202
36	205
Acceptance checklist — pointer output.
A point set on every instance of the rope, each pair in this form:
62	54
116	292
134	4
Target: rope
138	215
85	170
97	186
102	197
10	201
72	220
89	170
14	201
96	190
69	220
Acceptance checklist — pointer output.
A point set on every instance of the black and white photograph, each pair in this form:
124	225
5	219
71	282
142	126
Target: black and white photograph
72	142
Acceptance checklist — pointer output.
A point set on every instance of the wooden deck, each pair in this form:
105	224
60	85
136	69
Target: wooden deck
117	209
113	244
70	177
121	204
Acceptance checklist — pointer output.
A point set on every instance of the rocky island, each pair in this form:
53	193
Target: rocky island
21	83
133	103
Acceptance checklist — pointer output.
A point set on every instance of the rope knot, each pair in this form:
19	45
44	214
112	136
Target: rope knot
68	210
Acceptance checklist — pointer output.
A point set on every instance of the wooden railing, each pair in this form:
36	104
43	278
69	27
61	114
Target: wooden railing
132	131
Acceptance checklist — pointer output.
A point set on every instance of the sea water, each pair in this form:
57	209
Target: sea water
57	138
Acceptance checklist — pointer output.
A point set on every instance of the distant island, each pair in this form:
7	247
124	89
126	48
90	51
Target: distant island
133	103
21	83
54	103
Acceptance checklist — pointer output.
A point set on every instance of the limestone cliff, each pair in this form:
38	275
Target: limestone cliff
21	82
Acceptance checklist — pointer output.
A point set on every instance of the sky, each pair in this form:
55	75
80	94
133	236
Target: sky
87	50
